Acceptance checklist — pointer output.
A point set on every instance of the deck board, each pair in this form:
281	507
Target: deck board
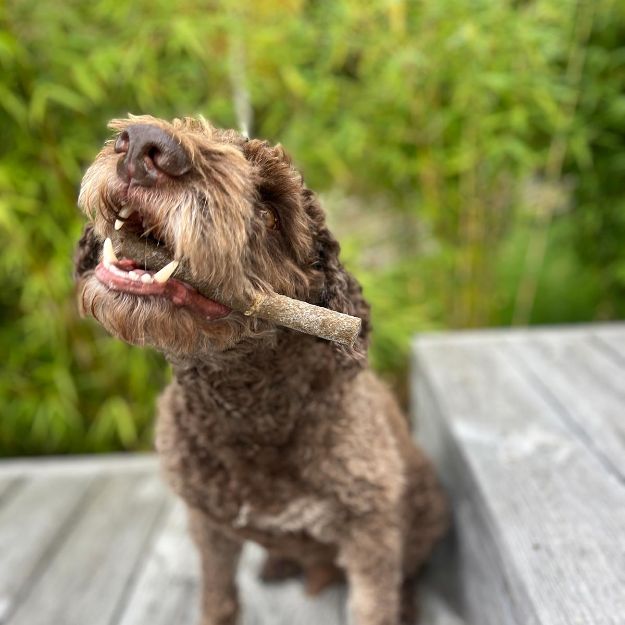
107	543
94	566
166	588
563	367
8	487
540	514
285	603
32	522
612	337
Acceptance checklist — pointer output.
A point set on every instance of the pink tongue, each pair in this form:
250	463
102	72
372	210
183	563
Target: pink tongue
179	293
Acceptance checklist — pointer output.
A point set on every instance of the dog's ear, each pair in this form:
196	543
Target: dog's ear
340	290
87	254
282	183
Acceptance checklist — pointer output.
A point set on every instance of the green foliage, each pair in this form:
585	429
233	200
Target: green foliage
600	171
472	153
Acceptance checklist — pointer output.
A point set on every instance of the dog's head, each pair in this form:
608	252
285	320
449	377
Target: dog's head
234	210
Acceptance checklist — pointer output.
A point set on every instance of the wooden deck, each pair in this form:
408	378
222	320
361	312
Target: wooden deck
99	541
527	428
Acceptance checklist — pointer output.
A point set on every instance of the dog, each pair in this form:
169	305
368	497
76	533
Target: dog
267	434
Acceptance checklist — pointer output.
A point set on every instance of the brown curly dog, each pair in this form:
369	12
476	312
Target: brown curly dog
267	434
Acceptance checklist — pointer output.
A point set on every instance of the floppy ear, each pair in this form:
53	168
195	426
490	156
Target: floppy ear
340	290
87	254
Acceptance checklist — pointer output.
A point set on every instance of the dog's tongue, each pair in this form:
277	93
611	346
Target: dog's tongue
126	276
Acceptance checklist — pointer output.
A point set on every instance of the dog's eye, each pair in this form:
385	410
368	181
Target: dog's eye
269	219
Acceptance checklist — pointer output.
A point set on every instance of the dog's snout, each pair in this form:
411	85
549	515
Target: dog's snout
149	152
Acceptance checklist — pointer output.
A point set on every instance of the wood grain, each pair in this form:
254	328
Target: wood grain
85	580
540	517
78	465
612	337
32	525
584	384
100	540
166	588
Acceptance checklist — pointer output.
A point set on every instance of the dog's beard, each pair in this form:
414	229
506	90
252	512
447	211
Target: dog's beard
190	226
213	220
209	230
157	322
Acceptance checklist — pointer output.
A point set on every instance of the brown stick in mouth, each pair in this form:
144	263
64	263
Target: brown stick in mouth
285	311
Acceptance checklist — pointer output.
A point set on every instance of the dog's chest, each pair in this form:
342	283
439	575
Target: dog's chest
244	451
303	514
262	504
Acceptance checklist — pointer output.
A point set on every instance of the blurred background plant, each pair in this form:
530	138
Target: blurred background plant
471	155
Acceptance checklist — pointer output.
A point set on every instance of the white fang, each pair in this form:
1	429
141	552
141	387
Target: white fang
108	255
124	213
165	273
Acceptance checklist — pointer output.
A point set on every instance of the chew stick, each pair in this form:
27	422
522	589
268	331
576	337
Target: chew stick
285	311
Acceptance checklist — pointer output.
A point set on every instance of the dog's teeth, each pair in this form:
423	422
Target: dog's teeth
146	278
134	275
165	273
108	255
124	213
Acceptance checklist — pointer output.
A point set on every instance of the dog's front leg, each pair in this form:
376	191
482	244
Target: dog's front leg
219	556
371	556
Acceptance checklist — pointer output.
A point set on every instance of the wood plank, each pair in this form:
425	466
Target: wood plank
609	331
285	603
167	590
85	581
167	587
32	523
83	464
474	568
548	506
585	386
612	338
483	571
436	611
8	488
99	554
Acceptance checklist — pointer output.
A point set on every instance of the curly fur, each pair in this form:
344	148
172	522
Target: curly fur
266	434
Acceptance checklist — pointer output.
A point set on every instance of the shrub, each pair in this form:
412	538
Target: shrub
471	154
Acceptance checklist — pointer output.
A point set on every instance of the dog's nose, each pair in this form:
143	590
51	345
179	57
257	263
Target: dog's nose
149	153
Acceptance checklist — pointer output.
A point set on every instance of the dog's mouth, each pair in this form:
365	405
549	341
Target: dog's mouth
126	276
132	221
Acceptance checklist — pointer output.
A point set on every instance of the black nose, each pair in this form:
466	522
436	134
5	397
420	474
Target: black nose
151	155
